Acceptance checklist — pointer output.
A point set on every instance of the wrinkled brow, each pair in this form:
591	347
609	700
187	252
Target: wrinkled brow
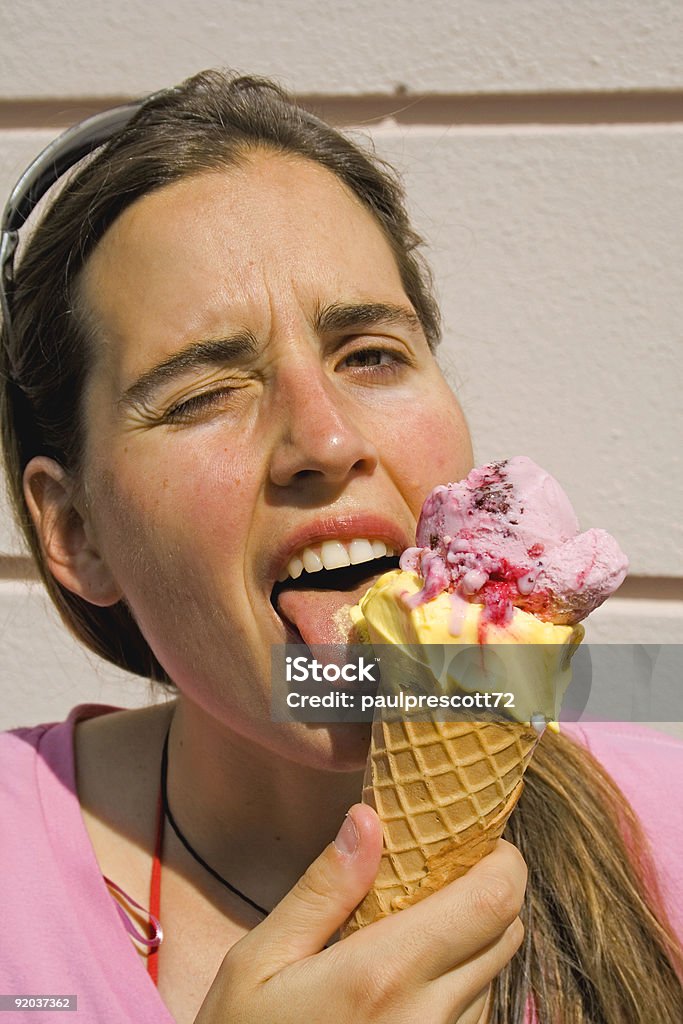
197	356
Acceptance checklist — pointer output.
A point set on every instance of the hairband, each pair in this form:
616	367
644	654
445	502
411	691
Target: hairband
48	167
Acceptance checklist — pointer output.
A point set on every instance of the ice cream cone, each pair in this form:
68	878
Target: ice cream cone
444	790
489	600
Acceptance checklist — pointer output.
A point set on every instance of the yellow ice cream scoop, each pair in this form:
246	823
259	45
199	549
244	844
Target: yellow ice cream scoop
450	639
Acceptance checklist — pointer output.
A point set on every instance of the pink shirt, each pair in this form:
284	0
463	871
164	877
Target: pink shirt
62	933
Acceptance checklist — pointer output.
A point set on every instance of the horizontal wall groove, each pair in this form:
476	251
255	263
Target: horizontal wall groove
17	567
580	108
501	109
650	588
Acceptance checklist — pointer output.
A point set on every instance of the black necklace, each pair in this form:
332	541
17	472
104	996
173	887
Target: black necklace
183	840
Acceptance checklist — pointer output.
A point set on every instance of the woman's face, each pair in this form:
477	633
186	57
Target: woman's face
260	386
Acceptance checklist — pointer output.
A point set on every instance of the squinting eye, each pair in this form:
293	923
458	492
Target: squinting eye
204	402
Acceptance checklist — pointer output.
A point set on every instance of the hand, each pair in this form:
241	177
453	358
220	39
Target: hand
433	962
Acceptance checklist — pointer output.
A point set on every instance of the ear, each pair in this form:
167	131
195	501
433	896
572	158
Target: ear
71	553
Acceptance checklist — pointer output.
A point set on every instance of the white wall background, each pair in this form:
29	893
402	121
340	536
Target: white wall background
542	147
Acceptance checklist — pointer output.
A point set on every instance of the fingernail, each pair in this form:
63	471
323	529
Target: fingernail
347	837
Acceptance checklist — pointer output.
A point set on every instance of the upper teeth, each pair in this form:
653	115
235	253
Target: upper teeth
333	554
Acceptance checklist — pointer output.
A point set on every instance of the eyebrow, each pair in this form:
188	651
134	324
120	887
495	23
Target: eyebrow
197	356
342	316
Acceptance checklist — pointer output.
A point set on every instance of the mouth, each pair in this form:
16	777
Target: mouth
343	579
313	594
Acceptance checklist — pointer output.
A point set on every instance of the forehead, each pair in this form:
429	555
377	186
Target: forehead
248	243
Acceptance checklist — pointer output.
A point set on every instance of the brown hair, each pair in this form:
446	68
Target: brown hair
598	948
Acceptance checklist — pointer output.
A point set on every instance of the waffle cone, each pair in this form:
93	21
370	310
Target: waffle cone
444	792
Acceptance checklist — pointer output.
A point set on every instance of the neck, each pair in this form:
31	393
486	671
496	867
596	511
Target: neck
256	817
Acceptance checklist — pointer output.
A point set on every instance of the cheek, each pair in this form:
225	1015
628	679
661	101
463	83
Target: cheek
432	447
189	488
180	515
176	548
214	496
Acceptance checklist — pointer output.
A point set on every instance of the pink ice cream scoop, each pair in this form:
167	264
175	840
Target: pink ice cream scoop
508	535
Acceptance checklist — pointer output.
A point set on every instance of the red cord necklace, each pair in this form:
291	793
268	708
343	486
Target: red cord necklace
163	813
155	888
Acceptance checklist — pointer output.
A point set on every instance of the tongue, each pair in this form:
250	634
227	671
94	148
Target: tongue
322	616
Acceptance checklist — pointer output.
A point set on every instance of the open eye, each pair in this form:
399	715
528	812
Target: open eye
375	359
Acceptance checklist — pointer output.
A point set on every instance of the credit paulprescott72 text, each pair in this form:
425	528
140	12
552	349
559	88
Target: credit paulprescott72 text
399	701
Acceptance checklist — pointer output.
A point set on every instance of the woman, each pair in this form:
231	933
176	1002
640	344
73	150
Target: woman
219	353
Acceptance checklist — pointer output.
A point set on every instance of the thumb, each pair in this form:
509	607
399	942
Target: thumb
325	895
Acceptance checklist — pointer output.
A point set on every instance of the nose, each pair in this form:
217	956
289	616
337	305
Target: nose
318	436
